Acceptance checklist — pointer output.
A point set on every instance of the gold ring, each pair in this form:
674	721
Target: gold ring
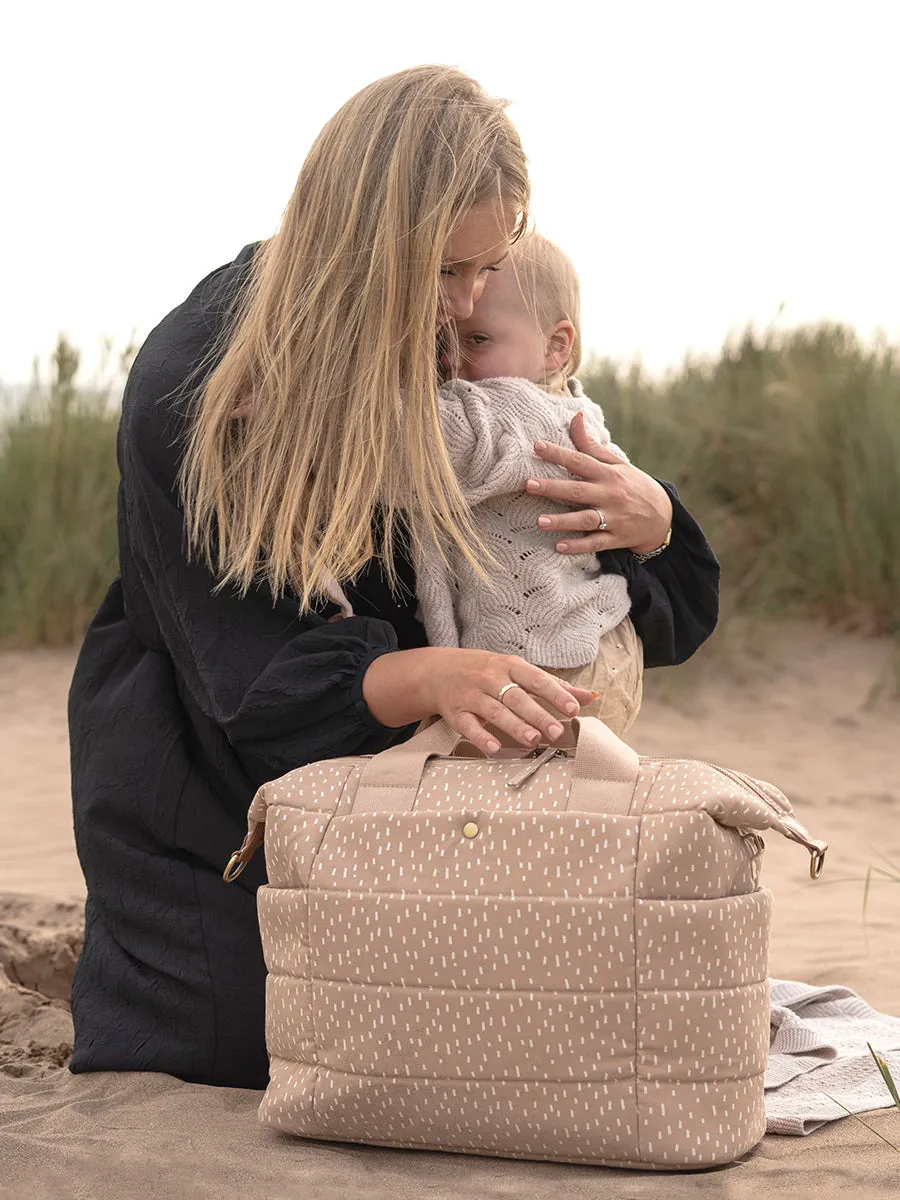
506	687
603	524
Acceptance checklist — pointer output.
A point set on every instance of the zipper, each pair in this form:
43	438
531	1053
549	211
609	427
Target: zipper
538	759
734	776
788	825
534	758
740	778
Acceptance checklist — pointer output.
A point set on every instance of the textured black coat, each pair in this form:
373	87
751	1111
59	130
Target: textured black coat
185	701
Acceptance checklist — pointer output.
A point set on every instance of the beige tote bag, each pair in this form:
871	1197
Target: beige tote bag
561	956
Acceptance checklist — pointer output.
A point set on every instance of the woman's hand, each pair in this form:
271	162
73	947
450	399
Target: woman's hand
464	686
636	509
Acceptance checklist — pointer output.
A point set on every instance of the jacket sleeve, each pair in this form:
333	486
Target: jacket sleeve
675	596
284	686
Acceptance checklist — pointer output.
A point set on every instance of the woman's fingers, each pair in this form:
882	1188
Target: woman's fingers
583	441
503	719
589	543
473	731
464	687
584	465
565	697
534	716
577	492
518	713
593	478
636	508
585	520
521	718
583	523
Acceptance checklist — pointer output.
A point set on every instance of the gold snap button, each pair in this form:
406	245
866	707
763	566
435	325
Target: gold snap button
470	829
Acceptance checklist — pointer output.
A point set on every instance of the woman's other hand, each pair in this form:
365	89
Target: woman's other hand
464	686
636	509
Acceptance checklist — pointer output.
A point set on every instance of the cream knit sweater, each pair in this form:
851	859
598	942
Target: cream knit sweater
549	608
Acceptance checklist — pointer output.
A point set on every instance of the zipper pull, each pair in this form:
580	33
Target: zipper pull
534	765
790	827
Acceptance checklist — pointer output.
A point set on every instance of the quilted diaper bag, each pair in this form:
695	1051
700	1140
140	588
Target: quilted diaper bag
561	956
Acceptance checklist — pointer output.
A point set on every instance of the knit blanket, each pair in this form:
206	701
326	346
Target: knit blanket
819	1062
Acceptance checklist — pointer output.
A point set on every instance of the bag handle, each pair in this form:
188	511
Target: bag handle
390	781
399	767
601	758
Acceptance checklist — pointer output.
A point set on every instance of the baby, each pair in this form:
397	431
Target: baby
513	386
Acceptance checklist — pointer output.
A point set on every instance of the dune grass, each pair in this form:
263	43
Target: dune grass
786	447
891	873
58	481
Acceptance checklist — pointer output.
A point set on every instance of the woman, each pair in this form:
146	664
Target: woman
267	465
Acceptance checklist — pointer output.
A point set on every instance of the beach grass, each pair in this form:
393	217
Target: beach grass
787	449
885	1072
785	446
891	873
58	481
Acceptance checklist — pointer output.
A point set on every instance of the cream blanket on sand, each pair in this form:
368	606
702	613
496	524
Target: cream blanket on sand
819	1062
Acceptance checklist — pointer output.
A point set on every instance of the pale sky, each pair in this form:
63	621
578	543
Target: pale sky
703	163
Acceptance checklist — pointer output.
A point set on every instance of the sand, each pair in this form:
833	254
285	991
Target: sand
810	710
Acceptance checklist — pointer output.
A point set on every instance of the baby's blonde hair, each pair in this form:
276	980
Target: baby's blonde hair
321	420
549	286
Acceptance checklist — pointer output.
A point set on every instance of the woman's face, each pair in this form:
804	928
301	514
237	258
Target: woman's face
477	246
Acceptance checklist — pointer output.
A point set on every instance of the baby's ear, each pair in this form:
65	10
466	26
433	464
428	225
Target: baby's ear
559	342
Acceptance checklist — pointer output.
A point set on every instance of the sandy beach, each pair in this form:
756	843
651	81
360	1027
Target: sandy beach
813	711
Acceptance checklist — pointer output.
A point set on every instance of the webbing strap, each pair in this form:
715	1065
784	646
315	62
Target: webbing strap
603	781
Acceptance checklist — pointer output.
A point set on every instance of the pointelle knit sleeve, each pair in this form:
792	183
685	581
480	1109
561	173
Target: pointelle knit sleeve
490	428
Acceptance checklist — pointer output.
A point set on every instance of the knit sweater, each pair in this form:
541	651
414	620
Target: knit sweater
549	608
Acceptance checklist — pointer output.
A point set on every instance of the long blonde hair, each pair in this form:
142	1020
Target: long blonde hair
337	323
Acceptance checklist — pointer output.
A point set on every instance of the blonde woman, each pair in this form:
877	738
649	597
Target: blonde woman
278	428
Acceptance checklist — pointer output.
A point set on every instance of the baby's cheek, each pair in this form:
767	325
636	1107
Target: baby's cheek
481	366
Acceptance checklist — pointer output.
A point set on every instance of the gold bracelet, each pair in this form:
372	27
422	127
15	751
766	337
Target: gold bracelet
642	558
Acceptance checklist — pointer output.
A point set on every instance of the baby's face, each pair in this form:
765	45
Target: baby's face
501	337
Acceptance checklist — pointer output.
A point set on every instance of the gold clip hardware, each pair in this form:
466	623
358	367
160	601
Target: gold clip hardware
235	865
816	862
255	833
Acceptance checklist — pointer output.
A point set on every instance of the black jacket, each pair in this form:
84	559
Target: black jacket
185	700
